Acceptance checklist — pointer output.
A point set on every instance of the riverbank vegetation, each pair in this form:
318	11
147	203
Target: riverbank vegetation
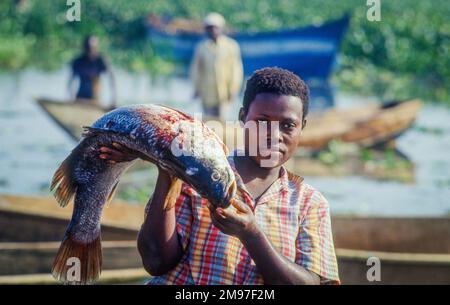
406	54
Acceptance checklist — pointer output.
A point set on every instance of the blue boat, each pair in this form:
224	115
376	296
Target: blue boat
310	51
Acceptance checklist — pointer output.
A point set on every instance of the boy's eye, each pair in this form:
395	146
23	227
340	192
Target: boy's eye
263	123
289	125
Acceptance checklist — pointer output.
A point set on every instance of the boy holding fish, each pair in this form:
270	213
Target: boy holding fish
277	229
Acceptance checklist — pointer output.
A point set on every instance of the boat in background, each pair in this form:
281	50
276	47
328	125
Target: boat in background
366	126
363	127
411	250
309	51
33	227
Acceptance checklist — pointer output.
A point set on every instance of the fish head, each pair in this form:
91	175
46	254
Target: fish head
213	178
199	157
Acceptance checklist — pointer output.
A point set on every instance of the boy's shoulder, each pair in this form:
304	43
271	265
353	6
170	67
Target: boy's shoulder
308	195
294	178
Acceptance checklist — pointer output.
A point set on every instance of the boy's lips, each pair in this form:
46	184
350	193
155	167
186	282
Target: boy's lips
275	149
272	151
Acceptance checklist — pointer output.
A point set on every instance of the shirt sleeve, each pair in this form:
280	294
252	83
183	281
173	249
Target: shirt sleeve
184	216
102	64
74	66
314	245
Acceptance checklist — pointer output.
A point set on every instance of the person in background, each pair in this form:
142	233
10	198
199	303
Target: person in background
216	69
88	67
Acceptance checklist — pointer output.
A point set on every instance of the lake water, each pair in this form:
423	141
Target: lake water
32	146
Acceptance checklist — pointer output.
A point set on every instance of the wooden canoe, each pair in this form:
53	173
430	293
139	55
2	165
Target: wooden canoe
366	126
399	168
411	250
309	51
71	116
36	225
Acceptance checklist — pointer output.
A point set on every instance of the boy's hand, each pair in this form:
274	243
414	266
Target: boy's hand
240	223
117	153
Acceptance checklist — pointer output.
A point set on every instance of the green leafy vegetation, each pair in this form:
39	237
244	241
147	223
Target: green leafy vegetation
406	54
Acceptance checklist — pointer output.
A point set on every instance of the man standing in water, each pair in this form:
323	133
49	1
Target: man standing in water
216	69
88	67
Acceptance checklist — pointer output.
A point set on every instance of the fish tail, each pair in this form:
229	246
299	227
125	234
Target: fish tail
63	183
174	192
78	263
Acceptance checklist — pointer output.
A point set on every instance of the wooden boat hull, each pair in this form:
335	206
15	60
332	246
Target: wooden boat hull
395	268
35	227
37	257
411	250
309	51
365	126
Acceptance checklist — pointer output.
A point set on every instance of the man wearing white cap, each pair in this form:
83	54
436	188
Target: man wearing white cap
216	69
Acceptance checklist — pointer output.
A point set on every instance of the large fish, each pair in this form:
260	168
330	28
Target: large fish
182	145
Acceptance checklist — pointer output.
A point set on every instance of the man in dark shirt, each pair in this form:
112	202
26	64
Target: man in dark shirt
88	67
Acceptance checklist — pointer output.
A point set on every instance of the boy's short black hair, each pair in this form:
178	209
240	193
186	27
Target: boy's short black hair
278	81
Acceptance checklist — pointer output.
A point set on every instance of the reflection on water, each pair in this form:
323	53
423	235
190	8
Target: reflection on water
31	145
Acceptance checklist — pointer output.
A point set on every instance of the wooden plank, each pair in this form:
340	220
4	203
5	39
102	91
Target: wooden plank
122	276
394	257
117	213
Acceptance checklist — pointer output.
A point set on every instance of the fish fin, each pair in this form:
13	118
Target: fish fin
89	257
174	192
225	149
94	131
111	194
63	183
89	131
186	116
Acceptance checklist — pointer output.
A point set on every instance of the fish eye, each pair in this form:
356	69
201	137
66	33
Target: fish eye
215	176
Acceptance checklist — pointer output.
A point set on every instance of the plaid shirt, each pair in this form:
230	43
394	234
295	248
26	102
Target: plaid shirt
293	215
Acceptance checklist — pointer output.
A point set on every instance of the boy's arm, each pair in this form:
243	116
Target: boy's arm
243	225
281	271
158	241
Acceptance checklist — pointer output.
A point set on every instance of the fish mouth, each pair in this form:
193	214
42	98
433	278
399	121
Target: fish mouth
230	194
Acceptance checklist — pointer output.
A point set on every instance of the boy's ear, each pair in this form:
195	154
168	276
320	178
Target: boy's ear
303	125
242	115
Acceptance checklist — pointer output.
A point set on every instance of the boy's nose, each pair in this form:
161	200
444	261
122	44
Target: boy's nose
275	139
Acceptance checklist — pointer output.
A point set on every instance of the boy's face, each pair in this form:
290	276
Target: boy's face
265	110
